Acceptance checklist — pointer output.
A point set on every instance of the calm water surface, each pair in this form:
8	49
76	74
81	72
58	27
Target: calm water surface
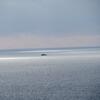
67	77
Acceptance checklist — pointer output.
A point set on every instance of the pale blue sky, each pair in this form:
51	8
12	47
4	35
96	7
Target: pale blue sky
45	19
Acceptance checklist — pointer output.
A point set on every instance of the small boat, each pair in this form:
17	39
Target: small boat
43	54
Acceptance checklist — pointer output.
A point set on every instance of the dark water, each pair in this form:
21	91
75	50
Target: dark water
51	78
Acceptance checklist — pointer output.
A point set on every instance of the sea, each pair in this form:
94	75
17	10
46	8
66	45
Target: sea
59	74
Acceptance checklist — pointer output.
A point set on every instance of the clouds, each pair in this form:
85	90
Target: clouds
49	23
49	16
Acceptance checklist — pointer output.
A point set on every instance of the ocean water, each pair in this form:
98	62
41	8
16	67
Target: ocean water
65	74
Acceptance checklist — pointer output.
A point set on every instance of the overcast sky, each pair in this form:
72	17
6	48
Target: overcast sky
49	23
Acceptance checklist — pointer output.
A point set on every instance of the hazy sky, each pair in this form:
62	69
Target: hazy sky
49	23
